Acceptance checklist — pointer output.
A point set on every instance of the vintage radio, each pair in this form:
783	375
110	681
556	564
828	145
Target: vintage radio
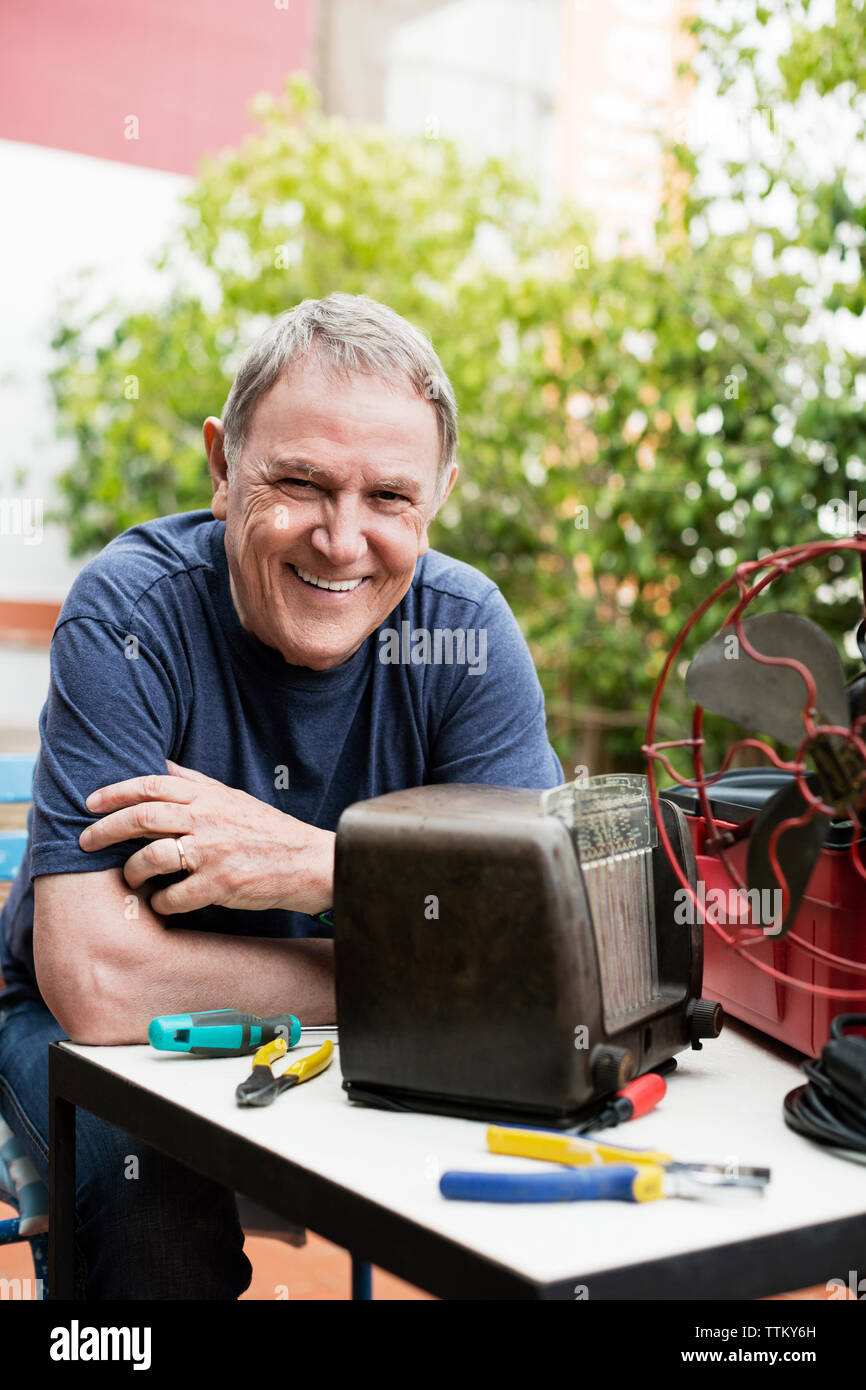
509	954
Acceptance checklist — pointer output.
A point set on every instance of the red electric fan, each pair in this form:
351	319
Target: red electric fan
789	835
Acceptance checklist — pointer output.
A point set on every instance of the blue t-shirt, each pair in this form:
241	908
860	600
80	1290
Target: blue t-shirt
149	661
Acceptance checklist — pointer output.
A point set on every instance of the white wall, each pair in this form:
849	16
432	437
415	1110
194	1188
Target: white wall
482	72
63	213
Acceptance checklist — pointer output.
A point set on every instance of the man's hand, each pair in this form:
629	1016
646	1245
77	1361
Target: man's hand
239	851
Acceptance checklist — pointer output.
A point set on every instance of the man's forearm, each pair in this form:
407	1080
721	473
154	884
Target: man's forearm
105	974
192	970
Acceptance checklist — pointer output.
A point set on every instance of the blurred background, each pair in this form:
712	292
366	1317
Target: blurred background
635	232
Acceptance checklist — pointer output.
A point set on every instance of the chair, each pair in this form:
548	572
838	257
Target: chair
20	1184
21	1187
16	789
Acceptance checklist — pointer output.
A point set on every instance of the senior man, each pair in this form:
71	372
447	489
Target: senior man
220	691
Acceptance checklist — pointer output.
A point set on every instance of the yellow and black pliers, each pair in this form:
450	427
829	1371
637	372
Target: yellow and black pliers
261	1087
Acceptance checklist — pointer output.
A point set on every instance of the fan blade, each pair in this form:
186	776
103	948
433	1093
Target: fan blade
797	849
857	699
770	699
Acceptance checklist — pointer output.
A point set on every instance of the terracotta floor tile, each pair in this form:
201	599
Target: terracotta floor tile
318	1271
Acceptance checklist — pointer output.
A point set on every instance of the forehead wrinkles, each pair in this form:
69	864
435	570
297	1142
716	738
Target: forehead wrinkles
303	413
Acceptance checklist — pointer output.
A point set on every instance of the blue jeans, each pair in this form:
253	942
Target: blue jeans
167	1233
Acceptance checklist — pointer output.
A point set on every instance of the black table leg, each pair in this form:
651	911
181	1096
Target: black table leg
61	1184
362	1278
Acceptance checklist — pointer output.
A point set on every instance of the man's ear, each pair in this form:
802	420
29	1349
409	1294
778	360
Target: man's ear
214	443
424	542
452	479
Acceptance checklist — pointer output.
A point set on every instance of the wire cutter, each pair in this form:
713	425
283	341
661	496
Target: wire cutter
261	1087
607	1172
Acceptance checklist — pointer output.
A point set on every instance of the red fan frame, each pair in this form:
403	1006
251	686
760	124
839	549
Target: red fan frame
782	562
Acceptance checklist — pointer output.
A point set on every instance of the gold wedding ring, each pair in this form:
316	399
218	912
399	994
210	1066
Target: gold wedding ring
183	864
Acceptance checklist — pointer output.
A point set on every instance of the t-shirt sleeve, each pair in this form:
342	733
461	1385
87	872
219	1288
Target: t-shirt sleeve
111	713
493	728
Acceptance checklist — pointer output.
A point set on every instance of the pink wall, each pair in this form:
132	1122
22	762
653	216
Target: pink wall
71	72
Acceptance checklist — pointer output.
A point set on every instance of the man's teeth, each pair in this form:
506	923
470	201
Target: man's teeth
319	583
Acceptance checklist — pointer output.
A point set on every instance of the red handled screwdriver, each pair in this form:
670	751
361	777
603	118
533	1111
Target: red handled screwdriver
636	1099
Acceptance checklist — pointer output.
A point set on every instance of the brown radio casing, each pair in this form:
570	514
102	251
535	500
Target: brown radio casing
468	972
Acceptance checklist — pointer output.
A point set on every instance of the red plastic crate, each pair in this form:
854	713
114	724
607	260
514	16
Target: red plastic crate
831	917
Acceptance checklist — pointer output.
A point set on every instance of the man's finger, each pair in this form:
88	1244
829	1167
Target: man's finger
154	787
150	820
187	895
189	773
159	857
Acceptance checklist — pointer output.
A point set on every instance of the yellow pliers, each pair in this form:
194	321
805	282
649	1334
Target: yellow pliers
690	1179
261	1087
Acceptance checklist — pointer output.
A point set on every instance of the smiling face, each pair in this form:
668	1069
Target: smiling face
335	486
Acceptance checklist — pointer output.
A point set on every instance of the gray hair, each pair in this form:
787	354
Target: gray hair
348	333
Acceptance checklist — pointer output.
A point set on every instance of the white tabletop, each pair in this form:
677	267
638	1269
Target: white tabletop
724	1104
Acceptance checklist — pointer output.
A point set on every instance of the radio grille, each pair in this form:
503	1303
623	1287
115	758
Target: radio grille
614	835
620	893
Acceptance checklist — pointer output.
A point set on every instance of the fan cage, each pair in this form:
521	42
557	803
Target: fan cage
750	579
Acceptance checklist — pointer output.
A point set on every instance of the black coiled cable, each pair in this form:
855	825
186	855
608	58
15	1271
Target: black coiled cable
831	1109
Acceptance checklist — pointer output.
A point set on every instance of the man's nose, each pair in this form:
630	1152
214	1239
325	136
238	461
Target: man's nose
339	536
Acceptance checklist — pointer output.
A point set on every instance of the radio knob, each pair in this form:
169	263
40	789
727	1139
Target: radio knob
704	1018
612	1067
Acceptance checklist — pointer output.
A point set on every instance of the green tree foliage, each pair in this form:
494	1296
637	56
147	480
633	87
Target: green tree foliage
630	427
813	99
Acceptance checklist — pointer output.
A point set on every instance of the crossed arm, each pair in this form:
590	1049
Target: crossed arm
105	962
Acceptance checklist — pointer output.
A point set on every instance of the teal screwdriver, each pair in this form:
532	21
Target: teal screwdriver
220	1032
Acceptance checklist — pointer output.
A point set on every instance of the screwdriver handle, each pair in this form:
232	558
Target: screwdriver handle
644	1094
220	1032
636	1099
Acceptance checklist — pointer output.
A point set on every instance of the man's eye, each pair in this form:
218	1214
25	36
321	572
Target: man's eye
297	482
386	496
